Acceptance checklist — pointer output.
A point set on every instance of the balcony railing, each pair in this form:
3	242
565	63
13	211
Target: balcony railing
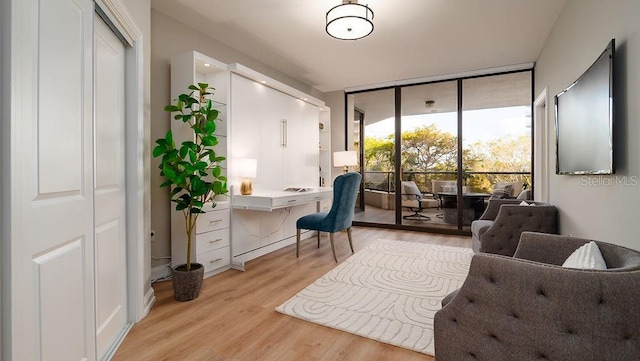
476	181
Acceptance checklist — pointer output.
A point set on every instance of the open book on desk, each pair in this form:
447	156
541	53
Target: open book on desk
298	189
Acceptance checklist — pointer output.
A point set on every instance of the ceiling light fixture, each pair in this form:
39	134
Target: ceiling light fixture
349	20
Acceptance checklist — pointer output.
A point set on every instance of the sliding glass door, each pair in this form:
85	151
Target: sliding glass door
374	118
431	153
496	132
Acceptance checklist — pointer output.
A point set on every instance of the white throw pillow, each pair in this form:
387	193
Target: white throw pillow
586	257
523	203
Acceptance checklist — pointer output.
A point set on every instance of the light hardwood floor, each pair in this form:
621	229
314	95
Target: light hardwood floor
234	317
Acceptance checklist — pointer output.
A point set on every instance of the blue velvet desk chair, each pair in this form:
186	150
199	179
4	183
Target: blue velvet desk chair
345	191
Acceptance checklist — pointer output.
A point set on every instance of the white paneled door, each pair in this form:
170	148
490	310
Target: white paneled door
52	239
67	241
109	186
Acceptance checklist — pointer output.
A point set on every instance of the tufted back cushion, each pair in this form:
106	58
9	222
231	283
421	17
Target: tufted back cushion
511	220
516	309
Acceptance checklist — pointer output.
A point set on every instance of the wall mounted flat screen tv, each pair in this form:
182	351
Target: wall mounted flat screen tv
585	118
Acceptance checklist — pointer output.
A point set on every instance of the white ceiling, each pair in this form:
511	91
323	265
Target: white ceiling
411	38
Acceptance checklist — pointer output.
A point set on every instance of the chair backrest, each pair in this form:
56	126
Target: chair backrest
410	190
516	187
345	192
437	186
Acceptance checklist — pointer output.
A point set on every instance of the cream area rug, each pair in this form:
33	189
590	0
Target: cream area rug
388	292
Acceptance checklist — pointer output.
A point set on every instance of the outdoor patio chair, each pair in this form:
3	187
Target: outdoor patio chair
414	200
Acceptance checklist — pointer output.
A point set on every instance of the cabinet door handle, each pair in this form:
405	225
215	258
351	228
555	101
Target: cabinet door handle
282	125
215	260
286	138
215	240
215	221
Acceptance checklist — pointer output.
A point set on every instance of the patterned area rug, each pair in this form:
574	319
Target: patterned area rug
388	292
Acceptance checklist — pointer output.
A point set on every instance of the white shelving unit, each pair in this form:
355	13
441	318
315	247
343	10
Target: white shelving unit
325	156
211	242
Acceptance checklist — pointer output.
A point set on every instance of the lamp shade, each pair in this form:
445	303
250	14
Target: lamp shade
345	158
349	21
247	167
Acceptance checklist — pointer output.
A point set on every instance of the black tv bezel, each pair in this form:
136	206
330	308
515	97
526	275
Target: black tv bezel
609	52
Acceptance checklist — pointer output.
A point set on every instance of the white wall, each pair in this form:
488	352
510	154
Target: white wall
168	38
608	208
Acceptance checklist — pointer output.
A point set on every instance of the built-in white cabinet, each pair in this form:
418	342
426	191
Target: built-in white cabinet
278	130
211	242
279	127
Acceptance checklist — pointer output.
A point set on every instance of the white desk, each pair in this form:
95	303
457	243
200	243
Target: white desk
276	199
266	221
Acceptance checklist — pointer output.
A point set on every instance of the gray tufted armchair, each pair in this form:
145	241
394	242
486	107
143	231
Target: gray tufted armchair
530	308
498	229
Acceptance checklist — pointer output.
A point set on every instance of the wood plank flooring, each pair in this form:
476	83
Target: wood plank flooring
234	317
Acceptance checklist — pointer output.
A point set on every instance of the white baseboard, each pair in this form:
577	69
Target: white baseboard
149	300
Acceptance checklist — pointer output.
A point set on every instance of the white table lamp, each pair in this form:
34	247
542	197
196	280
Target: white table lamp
247	169
345	159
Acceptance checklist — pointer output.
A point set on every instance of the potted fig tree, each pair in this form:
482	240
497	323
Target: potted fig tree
193	173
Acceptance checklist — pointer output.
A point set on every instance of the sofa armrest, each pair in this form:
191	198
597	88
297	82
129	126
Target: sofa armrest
503	237
514	309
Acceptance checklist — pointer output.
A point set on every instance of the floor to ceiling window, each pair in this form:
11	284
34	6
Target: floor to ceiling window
447	142
377	149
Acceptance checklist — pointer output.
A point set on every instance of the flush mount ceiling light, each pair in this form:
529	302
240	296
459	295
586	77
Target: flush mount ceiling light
349	20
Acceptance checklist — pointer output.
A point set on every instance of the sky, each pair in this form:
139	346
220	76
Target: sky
477	125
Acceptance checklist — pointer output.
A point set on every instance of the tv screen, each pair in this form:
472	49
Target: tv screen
584	120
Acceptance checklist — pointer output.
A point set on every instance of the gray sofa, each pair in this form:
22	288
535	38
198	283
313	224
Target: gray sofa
498	229
528	307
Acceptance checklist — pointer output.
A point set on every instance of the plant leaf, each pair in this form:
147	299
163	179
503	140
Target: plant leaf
210	126
159	150
169	138
171	108
169	173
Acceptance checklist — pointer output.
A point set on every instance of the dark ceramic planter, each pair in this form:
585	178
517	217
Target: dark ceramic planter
186	285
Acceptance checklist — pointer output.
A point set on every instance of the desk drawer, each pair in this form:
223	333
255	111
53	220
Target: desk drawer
295	199
212	221
215	259
209	241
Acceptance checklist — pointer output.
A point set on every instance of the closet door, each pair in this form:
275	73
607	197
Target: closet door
52	235
110	225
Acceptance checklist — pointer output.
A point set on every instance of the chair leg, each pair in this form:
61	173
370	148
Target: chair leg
349	236
318	239
333	247
297	242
